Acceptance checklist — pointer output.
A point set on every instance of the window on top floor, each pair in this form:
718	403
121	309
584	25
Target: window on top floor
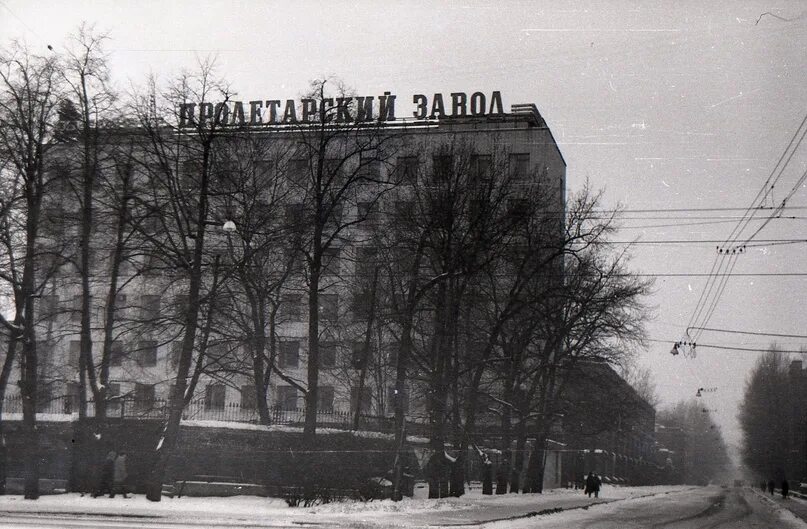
519	166
407	169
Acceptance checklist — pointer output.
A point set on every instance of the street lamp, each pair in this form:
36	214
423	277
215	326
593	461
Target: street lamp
228	226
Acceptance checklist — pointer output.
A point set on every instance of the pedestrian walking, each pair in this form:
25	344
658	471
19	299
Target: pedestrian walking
119	476
592	485
107	476
771	486
589	488
785	488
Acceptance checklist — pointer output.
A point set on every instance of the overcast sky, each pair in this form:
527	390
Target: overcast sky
664	108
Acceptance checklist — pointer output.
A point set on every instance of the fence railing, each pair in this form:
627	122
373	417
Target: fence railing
66	408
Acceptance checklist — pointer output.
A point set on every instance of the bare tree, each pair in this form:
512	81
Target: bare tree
179	168
29	94
765	416
337	161
87	76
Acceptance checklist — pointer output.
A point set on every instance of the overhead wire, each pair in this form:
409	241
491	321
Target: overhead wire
724	260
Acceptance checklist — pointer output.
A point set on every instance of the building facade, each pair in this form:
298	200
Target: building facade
257	189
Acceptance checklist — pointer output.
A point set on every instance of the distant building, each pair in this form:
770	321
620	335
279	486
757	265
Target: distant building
607	427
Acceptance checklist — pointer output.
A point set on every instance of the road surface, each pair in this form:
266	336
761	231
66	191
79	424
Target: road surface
700	508
692	508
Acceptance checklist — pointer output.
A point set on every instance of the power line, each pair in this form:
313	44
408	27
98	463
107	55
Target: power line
758	242
718	278
699	345
754	333
725	274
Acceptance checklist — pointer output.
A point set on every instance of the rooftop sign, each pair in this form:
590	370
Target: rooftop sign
338	110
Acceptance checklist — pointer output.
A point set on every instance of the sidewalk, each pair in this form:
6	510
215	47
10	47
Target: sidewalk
471	509
795	503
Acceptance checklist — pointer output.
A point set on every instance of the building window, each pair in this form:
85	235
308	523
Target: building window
180	305
407	169
75	311
518	209
519	167
147	353
289	354
480	168
248	397
357	355
291	306
72	397
330	262
214	397
370	170
176	353
327	355
144	397
48	307
149	307
152	265
263	171
44	351
116	353
325	398
286	398
366	399
329	307
74	353
368	212
366	263
442	168
298	169
403	211
295	215
361	303
120	304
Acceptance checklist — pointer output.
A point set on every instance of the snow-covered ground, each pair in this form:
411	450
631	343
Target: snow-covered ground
619	514
473	508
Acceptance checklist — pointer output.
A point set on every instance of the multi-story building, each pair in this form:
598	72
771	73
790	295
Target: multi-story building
151	292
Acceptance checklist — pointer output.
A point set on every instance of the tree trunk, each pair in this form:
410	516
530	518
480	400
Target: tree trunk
171	429
29	403
438	486
4	376
521	445
365	361
535	468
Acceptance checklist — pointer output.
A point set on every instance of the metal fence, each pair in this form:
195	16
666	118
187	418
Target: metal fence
66	408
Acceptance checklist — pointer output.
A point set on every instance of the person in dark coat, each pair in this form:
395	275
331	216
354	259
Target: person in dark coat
597	484
119	476
107	475
771	486
591	485
785	488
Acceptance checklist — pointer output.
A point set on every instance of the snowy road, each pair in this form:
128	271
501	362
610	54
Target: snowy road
676	507
702	508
